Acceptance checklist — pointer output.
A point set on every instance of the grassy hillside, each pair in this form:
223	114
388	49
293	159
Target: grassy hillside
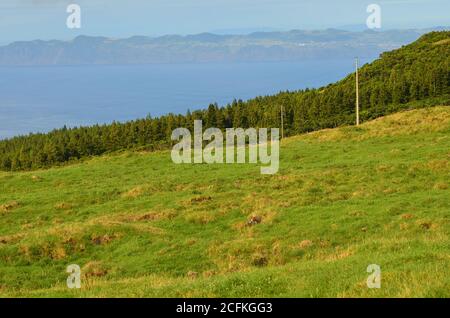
416	75
139	225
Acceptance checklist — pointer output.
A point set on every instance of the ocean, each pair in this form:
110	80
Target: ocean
41	98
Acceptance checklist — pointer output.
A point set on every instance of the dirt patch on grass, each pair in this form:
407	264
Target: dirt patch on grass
134	193
200	199
41	250
305	244
426	225
259	259
148	217
139	217
10	239
7	207
242	254
102	239
94	269
254	220
440	186
63	206
438	165
338	254
192	275
58	253
263	206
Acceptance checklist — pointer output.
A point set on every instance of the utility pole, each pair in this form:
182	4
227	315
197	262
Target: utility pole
357	92
282	122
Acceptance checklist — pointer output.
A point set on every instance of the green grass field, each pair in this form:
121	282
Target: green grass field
140	226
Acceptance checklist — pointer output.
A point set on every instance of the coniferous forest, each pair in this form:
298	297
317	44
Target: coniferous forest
416	75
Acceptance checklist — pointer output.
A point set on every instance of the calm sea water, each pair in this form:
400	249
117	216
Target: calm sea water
38	99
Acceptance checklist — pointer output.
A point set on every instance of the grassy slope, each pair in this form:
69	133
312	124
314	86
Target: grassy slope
139	225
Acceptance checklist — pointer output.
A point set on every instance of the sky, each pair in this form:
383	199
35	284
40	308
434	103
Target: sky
46	19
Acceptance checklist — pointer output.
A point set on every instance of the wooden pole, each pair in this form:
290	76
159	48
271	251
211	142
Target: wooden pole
357	92
282	122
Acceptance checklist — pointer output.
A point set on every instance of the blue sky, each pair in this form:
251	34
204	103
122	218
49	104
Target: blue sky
45	19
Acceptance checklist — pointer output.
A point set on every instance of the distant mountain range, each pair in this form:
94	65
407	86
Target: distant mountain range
207	47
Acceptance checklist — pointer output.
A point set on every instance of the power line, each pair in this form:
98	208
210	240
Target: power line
357	92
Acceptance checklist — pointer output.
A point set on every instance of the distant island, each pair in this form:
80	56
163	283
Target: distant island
207	47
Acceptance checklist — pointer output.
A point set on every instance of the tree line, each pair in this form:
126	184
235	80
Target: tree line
414	73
